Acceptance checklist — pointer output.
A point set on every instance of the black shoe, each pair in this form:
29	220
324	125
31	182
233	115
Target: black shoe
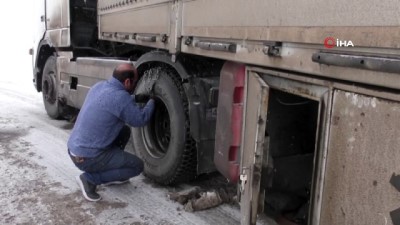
88	189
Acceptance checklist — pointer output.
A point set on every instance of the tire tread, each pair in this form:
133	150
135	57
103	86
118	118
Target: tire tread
186	169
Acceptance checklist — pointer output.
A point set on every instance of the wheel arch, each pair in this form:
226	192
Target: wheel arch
159	58
45	50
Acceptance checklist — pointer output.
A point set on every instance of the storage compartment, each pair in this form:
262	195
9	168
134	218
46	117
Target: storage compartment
291	133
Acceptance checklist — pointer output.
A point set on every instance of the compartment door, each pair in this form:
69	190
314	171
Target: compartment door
254	123
362	169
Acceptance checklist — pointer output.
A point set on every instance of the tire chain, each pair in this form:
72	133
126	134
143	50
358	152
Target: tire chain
187	168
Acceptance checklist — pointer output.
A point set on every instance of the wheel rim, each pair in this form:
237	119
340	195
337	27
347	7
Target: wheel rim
49	93
157	134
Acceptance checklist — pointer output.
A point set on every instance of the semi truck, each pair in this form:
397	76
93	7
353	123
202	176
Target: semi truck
296	102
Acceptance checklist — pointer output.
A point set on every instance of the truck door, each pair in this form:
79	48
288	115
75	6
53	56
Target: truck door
254	123
39	18
58	22
57	14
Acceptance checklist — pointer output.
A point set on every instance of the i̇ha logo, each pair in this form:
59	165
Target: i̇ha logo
331	42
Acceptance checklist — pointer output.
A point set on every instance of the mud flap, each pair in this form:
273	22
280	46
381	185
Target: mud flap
253	136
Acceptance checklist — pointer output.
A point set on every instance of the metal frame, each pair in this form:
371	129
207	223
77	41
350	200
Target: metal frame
322	94
252	145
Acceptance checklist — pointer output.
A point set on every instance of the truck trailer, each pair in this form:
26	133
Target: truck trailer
296	102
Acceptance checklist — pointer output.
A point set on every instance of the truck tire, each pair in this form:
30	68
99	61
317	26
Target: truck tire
165	144
49	88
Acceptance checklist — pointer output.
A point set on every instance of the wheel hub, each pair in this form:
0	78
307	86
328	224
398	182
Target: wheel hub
157	134
49	89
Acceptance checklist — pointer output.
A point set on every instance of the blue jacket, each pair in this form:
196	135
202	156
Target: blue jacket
107	107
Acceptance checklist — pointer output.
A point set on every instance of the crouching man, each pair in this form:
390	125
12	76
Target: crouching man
97	142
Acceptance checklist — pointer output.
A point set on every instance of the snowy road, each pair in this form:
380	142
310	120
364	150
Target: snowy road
37	177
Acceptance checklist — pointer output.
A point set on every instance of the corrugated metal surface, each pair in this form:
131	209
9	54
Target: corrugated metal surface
307	21
302	13
363	153
203	27
137	20
149	23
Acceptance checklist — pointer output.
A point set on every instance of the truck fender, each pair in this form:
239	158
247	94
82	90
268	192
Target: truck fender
158	57
45	49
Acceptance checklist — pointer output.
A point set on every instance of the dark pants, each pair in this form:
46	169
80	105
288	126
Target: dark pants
113	164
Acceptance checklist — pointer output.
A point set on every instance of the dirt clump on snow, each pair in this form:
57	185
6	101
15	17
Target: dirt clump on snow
208	193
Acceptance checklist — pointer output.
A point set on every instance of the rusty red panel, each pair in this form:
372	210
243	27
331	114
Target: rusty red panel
229	120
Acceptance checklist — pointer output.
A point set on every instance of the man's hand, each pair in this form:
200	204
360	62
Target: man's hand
142	98
146	91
